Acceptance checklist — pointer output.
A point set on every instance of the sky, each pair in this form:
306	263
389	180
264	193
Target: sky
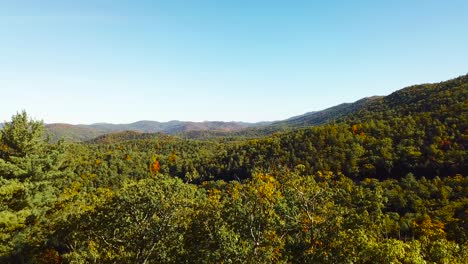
114	61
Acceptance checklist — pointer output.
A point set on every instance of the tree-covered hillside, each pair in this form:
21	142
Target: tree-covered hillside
81	133
381	182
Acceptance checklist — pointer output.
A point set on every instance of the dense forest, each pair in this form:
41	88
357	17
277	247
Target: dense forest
379	181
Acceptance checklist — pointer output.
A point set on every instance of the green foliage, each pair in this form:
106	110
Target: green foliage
29	176
144	220
21	137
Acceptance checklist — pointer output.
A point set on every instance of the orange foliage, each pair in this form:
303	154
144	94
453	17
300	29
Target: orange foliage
445	144
362	134
50	256
155	167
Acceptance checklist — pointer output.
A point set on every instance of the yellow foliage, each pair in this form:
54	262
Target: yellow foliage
93	248
267	187
90	176
431	228
71	191
214	196
105	193
362	135
172	158
326	175
235	192
4	148
306	223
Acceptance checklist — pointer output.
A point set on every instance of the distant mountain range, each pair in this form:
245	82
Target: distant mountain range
417	98
207	129
79	133
87	132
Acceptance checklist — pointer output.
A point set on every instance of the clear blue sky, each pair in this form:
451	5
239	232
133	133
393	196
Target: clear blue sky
121	61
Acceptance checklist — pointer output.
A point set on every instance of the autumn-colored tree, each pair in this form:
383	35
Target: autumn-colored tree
155	167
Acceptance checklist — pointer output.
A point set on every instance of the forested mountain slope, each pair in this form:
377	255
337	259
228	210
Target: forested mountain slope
126	136
70	133
439	100
420	129
78	133
444	98
327	115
